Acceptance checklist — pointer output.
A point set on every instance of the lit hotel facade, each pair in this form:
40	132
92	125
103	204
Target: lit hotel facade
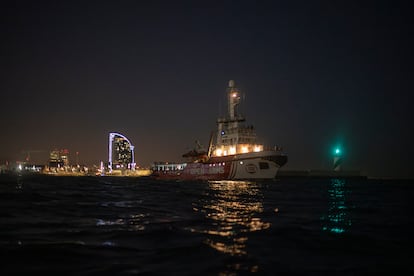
121	153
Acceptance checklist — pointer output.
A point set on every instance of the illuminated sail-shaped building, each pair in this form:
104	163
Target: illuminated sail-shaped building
121	152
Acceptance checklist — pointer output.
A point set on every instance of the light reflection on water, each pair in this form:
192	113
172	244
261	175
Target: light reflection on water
337	220
233	209
133	222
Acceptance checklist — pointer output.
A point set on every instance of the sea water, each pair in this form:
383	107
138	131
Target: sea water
58	225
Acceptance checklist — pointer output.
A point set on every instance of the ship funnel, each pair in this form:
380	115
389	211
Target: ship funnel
232	84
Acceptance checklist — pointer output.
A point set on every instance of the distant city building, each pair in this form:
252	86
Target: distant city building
64	155
58	158
54	159
121	152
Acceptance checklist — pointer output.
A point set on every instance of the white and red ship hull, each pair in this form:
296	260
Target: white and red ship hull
254	165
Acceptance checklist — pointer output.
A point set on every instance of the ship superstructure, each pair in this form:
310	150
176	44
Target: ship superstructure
233	136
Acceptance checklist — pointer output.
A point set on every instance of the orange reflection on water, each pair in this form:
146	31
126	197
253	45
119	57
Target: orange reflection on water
232	209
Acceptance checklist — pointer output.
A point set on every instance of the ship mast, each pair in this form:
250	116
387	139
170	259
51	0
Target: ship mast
233	100
233	95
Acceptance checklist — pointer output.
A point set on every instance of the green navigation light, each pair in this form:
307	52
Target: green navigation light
337	151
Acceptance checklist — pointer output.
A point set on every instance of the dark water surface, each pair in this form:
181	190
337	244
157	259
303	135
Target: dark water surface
127	226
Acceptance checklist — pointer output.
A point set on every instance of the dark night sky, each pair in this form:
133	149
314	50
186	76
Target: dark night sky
314	74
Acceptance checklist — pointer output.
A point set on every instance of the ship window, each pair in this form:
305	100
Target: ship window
263	165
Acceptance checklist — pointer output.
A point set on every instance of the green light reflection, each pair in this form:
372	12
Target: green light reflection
337	219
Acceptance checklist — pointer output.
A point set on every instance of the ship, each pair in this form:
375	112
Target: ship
233	152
